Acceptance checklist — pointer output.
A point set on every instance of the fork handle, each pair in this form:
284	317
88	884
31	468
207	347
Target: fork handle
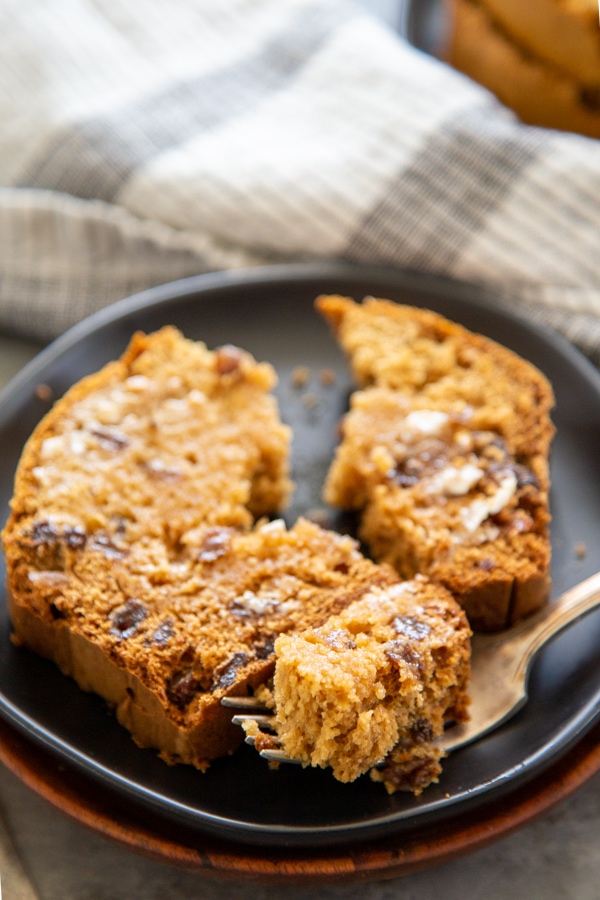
549	622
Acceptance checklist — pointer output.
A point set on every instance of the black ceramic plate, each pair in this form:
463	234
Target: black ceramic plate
270	312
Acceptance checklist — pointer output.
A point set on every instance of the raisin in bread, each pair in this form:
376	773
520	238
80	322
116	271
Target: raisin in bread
445	455
375	684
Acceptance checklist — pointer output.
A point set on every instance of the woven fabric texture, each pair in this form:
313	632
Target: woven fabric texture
145	142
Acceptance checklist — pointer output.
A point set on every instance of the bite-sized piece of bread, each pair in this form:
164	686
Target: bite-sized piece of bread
484	42
445	455
386	672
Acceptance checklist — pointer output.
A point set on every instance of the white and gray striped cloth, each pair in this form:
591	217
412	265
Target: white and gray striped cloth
143	142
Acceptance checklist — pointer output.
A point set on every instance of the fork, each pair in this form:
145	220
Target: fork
500	667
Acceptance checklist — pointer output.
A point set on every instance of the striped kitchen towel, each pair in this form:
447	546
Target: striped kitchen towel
144	142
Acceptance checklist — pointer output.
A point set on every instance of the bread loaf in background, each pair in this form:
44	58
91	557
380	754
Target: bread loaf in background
540	57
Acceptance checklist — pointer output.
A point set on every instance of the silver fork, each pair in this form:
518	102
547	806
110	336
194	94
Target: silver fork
500	667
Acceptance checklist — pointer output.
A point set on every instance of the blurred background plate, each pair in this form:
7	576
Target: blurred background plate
422	23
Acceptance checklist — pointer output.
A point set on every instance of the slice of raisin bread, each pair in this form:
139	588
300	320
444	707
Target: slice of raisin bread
445	455
115	497
387	672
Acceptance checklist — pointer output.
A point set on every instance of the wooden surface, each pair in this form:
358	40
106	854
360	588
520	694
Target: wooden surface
388	857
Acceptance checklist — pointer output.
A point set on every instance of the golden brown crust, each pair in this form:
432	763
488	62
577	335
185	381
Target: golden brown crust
137	707
445	454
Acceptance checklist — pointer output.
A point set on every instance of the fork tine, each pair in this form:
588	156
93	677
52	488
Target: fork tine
263	721
279	756
249	704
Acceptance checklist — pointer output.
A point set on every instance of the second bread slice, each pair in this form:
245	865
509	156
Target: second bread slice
445	455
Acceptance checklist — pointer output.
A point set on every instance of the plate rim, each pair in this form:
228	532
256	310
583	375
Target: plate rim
389	857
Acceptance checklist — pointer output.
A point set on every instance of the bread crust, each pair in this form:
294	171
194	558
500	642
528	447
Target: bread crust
137	708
